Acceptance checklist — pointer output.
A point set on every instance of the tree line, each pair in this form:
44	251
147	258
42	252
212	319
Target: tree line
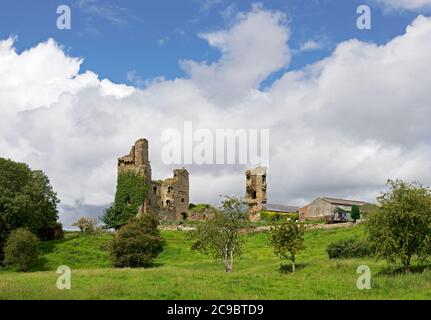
397	230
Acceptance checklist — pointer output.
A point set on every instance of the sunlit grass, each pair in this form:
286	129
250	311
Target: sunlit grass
184	274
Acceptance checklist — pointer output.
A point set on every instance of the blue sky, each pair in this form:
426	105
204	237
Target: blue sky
150	37
74	124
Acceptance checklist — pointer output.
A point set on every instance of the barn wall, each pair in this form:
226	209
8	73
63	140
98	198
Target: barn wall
319	208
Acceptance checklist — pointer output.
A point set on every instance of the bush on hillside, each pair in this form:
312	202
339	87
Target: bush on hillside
21	250
349	248
199	208
137	243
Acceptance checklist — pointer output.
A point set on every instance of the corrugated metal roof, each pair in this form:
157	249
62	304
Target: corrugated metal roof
343	201
280	208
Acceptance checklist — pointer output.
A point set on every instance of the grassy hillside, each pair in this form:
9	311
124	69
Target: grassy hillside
183	274
77	251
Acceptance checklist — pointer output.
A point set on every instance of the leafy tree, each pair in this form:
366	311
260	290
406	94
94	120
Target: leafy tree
356	213
137	243
220	237
86	224
287	240
27	200
129	197
368	208
401	227
21	250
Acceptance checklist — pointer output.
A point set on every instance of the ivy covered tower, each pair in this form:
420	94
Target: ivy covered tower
134	179
137	160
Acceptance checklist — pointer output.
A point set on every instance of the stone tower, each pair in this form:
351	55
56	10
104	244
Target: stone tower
137	160
174	193
255	194
182	192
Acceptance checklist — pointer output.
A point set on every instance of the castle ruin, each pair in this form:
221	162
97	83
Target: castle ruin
255	194
169	198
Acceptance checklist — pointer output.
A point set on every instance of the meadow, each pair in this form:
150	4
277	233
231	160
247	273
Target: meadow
180	273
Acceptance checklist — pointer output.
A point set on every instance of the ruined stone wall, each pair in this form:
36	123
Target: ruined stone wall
256	187
204	215
155	194
167	193
174	193
137	160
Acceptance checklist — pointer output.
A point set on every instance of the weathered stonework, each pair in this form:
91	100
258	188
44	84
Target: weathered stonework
204	215
169	199
137	160
172	194
255	194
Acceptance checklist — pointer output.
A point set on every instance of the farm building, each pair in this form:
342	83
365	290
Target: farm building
323	207
278	208
275	212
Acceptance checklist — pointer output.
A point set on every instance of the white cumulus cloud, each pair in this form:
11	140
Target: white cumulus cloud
339	127
310	46
252	49
406	4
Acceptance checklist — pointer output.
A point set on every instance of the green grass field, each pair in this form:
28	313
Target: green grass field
182	274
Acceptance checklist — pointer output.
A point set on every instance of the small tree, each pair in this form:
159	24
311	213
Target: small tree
86	224
220	237
401	227
287	240
21	250
356	213
137	243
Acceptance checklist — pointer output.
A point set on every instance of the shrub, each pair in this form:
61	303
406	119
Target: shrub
86	224
349	248
21	250
199	208
137	243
